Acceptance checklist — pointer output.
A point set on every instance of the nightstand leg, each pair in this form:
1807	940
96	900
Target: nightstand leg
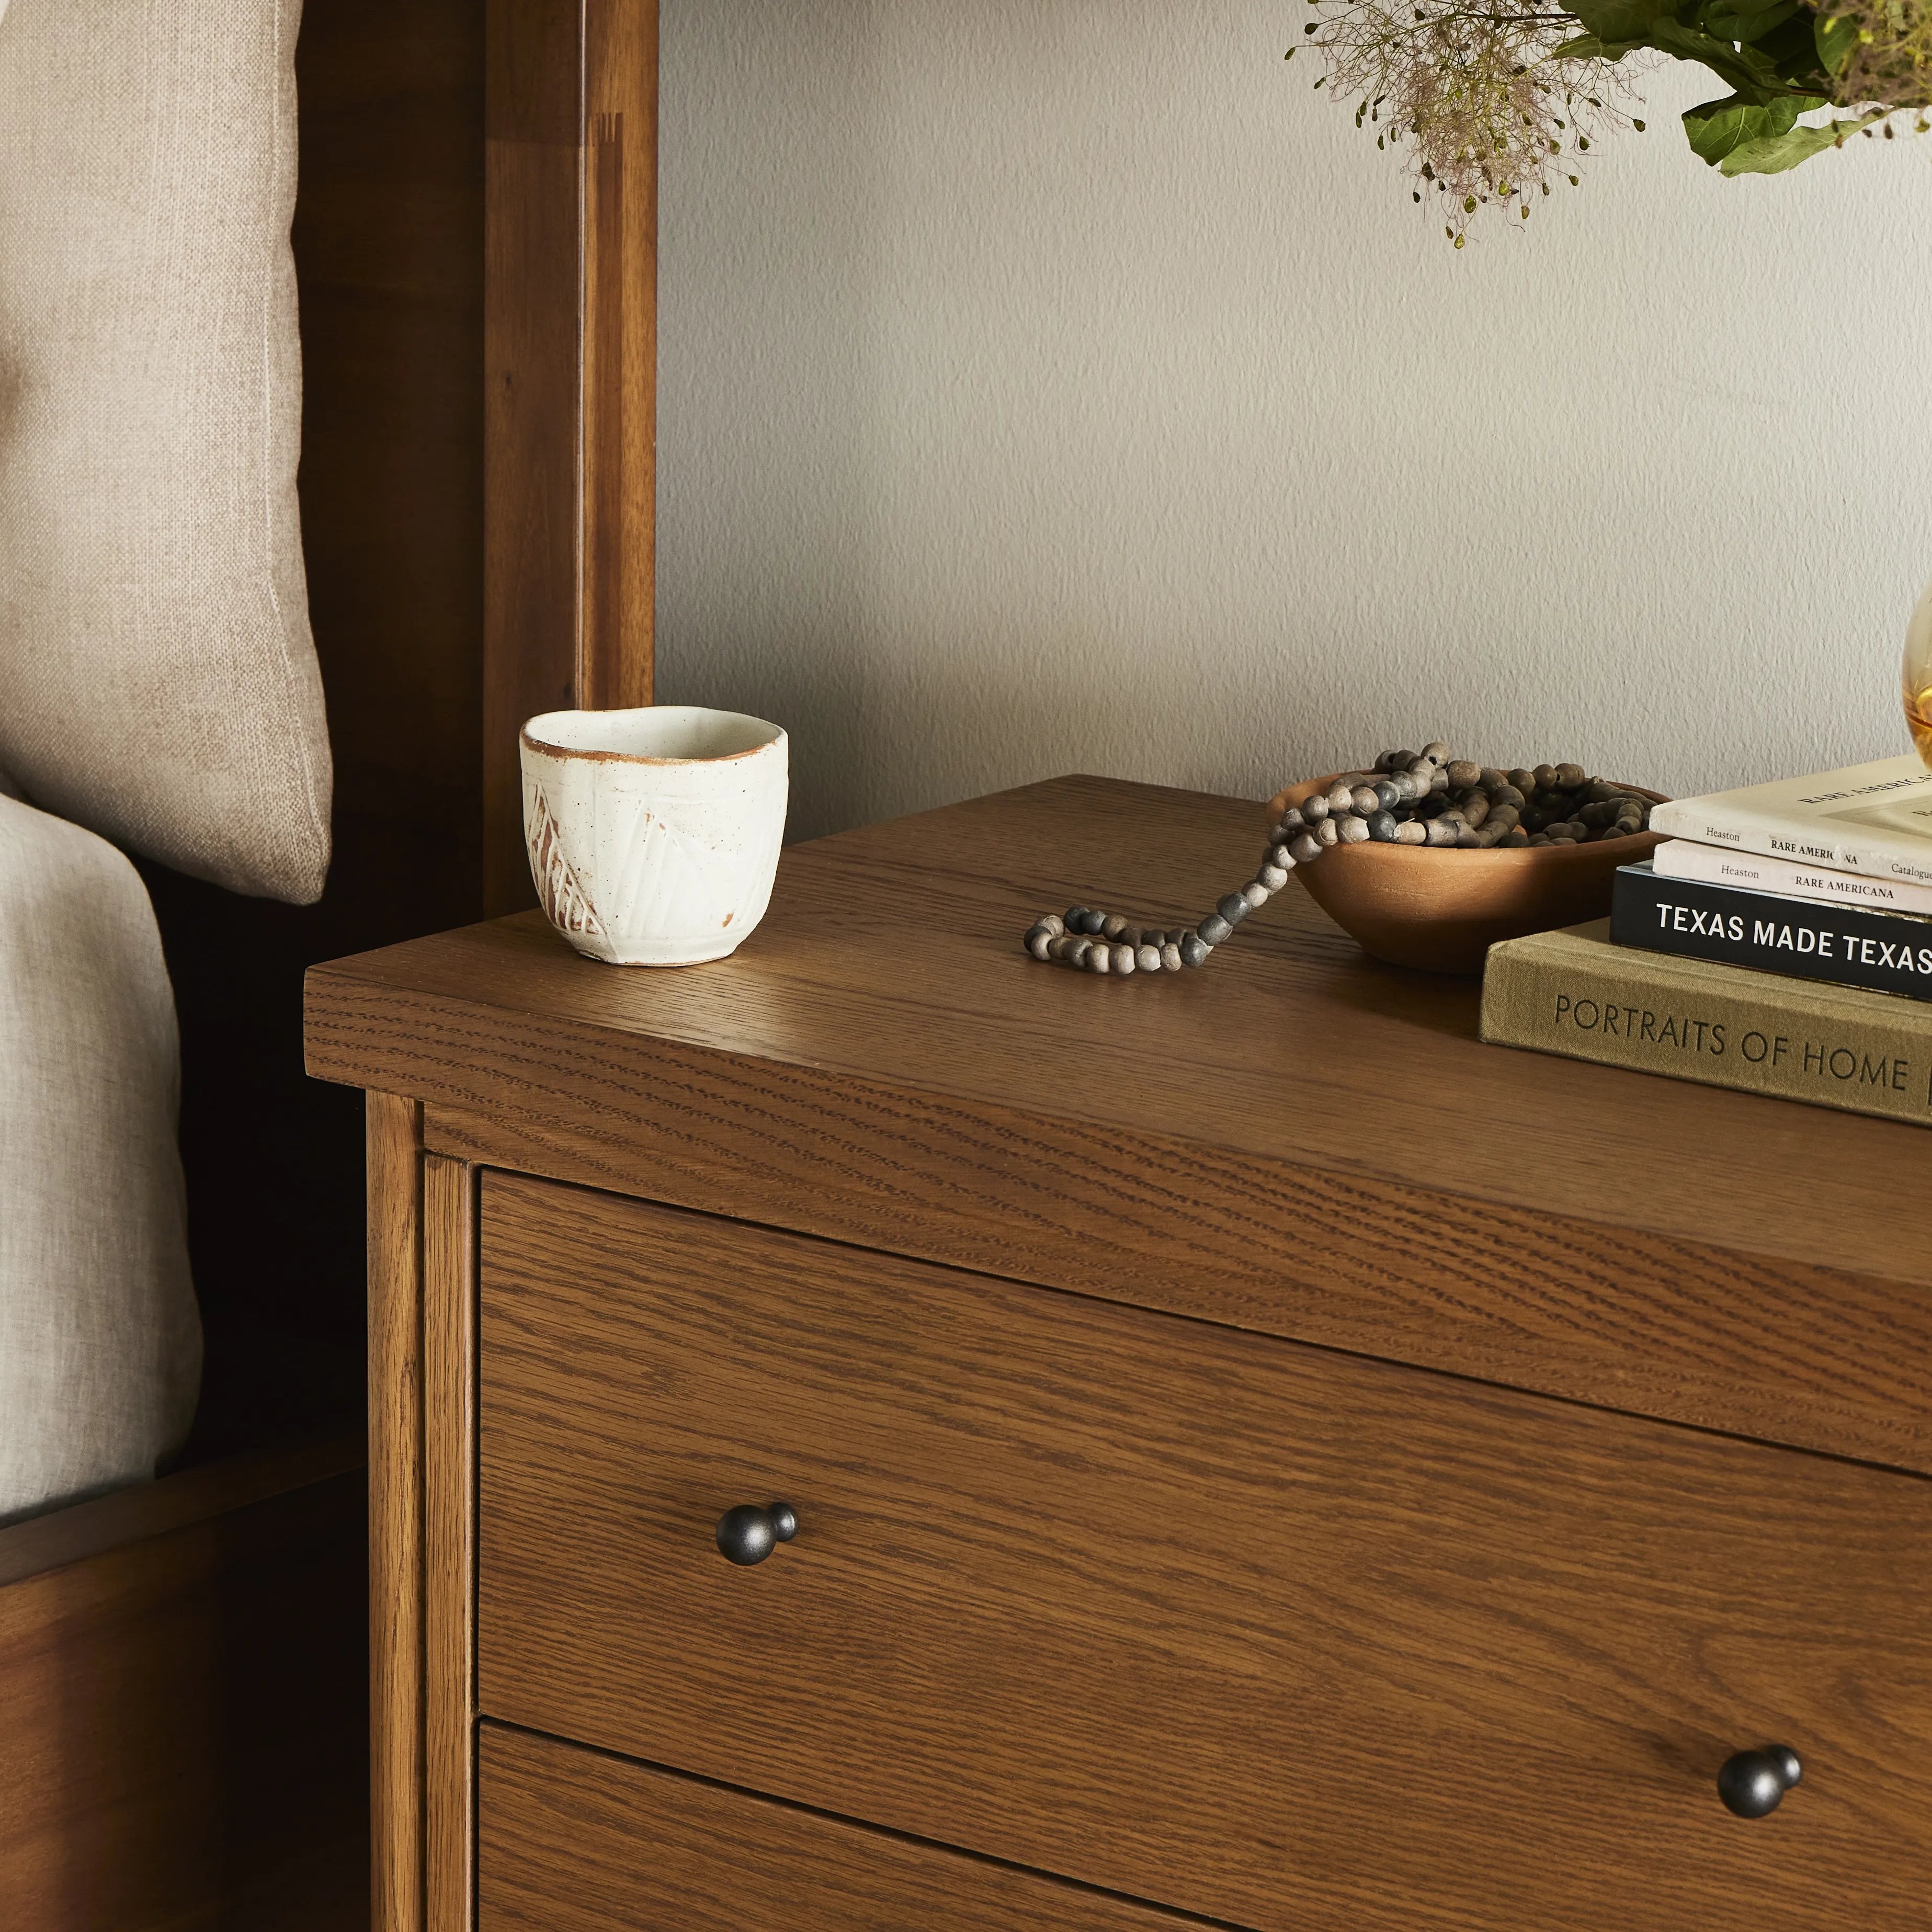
396	1574
449	1545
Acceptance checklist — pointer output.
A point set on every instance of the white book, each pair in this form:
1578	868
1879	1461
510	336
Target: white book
1875	819
1718	866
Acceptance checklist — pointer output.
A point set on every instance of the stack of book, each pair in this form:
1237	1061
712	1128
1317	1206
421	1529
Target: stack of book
1780	940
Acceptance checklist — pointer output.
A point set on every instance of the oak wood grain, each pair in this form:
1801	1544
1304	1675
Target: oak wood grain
84	1530
449	1484
182	1684
619	352
396	1567
576	1841
532	357
570	347
1271	1634
1295	1140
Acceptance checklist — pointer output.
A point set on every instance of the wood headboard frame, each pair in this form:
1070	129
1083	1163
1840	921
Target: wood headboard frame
182	1686
570	349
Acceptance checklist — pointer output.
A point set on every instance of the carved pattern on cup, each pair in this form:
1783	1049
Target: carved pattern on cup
564	902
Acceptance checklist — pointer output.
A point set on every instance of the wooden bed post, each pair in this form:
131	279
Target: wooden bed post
570	349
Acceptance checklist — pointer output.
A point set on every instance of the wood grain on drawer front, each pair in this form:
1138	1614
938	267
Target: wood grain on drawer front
1274	1635
574	1841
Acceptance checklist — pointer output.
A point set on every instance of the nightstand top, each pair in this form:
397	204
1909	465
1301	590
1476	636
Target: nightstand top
881	1059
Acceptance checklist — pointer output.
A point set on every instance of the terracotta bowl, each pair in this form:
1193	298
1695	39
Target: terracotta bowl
1440	909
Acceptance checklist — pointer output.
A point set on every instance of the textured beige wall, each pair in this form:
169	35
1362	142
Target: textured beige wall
1052	385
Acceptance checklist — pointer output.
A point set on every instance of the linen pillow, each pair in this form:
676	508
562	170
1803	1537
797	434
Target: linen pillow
158	678
100	1339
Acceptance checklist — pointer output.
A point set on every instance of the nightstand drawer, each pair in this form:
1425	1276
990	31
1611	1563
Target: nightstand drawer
575	1841
1278	1636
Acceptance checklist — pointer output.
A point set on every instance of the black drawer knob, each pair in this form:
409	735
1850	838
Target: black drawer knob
1752	1783
749	1534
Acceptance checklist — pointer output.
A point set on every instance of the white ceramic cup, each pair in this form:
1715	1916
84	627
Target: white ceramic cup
654	834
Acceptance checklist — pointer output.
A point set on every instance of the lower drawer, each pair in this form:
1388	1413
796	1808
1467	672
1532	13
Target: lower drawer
572	1841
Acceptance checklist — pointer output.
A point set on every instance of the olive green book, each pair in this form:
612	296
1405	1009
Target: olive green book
1573	992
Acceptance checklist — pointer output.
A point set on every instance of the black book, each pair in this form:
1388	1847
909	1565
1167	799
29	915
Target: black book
1804	939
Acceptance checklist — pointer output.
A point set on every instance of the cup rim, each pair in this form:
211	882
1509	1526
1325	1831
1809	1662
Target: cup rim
527	736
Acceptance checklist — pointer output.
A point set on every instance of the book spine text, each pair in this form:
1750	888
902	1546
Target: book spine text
1760	1042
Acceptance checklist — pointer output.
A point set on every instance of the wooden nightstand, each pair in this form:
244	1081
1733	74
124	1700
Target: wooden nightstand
1254	1449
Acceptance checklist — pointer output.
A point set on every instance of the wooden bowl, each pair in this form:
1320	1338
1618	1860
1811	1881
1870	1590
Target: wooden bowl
1442	909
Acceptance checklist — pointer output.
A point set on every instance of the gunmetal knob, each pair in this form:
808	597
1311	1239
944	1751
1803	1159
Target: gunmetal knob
1752	1783
748	1534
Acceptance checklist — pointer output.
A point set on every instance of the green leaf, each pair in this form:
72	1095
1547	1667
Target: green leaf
1743	137
1729	21
1755	79
1717	129
1624	23
1836	34
1774	156
1587	46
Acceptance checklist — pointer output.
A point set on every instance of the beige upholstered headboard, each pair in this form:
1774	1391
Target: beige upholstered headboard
159	680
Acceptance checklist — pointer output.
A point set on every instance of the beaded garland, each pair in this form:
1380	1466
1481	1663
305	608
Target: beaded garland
1409	798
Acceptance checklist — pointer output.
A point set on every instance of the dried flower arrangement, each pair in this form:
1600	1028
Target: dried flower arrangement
1494	103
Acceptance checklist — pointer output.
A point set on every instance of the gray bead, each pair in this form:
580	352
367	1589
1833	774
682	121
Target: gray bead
1256	894
1155	938
1233	907
1572	777
1112	926
1382	827
1214	929
1038	940
1099	958
1464	772
1147	958
1054	923
1170	957
1281	859
1341	797
1436	752
1078	946
1353	831
1124	960
1411	831
1387	794
1306	848
1292	821
1364	800
1440	832
1314	810
1329	832
1129	934
1059	946
1090	926
1274	877
1193	949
